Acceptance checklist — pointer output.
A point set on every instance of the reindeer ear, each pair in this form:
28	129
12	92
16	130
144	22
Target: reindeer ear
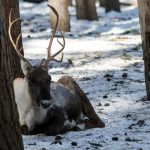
25	66
43	65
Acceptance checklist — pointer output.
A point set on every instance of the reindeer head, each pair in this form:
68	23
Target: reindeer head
37	77
38	83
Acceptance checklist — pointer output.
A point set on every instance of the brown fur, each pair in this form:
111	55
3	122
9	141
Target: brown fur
88	110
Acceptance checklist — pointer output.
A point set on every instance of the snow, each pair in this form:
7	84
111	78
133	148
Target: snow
107	63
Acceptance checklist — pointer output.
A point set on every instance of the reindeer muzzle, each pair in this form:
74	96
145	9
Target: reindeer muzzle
46	103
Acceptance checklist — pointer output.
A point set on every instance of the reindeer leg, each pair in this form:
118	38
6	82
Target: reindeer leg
59	122
55	123
88	110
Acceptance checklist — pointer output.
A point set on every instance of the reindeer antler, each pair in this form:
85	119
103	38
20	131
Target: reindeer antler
15	43
49	57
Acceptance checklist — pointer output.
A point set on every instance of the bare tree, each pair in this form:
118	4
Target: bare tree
144	15
10	134
62	8
112	5
86	9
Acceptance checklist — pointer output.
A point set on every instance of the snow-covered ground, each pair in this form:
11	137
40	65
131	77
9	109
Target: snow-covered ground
106	61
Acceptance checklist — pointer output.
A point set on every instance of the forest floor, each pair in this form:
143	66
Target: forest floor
105	58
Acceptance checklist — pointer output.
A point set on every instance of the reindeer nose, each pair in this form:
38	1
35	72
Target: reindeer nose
46	103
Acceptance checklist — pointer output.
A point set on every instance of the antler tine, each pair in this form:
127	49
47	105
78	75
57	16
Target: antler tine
63	46
53	33
15	44
18	38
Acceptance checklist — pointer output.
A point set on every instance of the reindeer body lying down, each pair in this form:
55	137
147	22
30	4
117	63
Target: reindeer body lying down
61	100
50	107
62	107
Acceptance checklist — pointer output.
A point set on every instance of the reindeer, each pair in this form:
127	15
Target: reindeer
45	106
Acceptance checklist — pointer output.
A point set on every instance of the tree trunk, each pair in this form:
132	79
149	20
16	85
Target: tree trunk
70	3
112	5
62	8
15	62
102	3
86	9
144	15
10	134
